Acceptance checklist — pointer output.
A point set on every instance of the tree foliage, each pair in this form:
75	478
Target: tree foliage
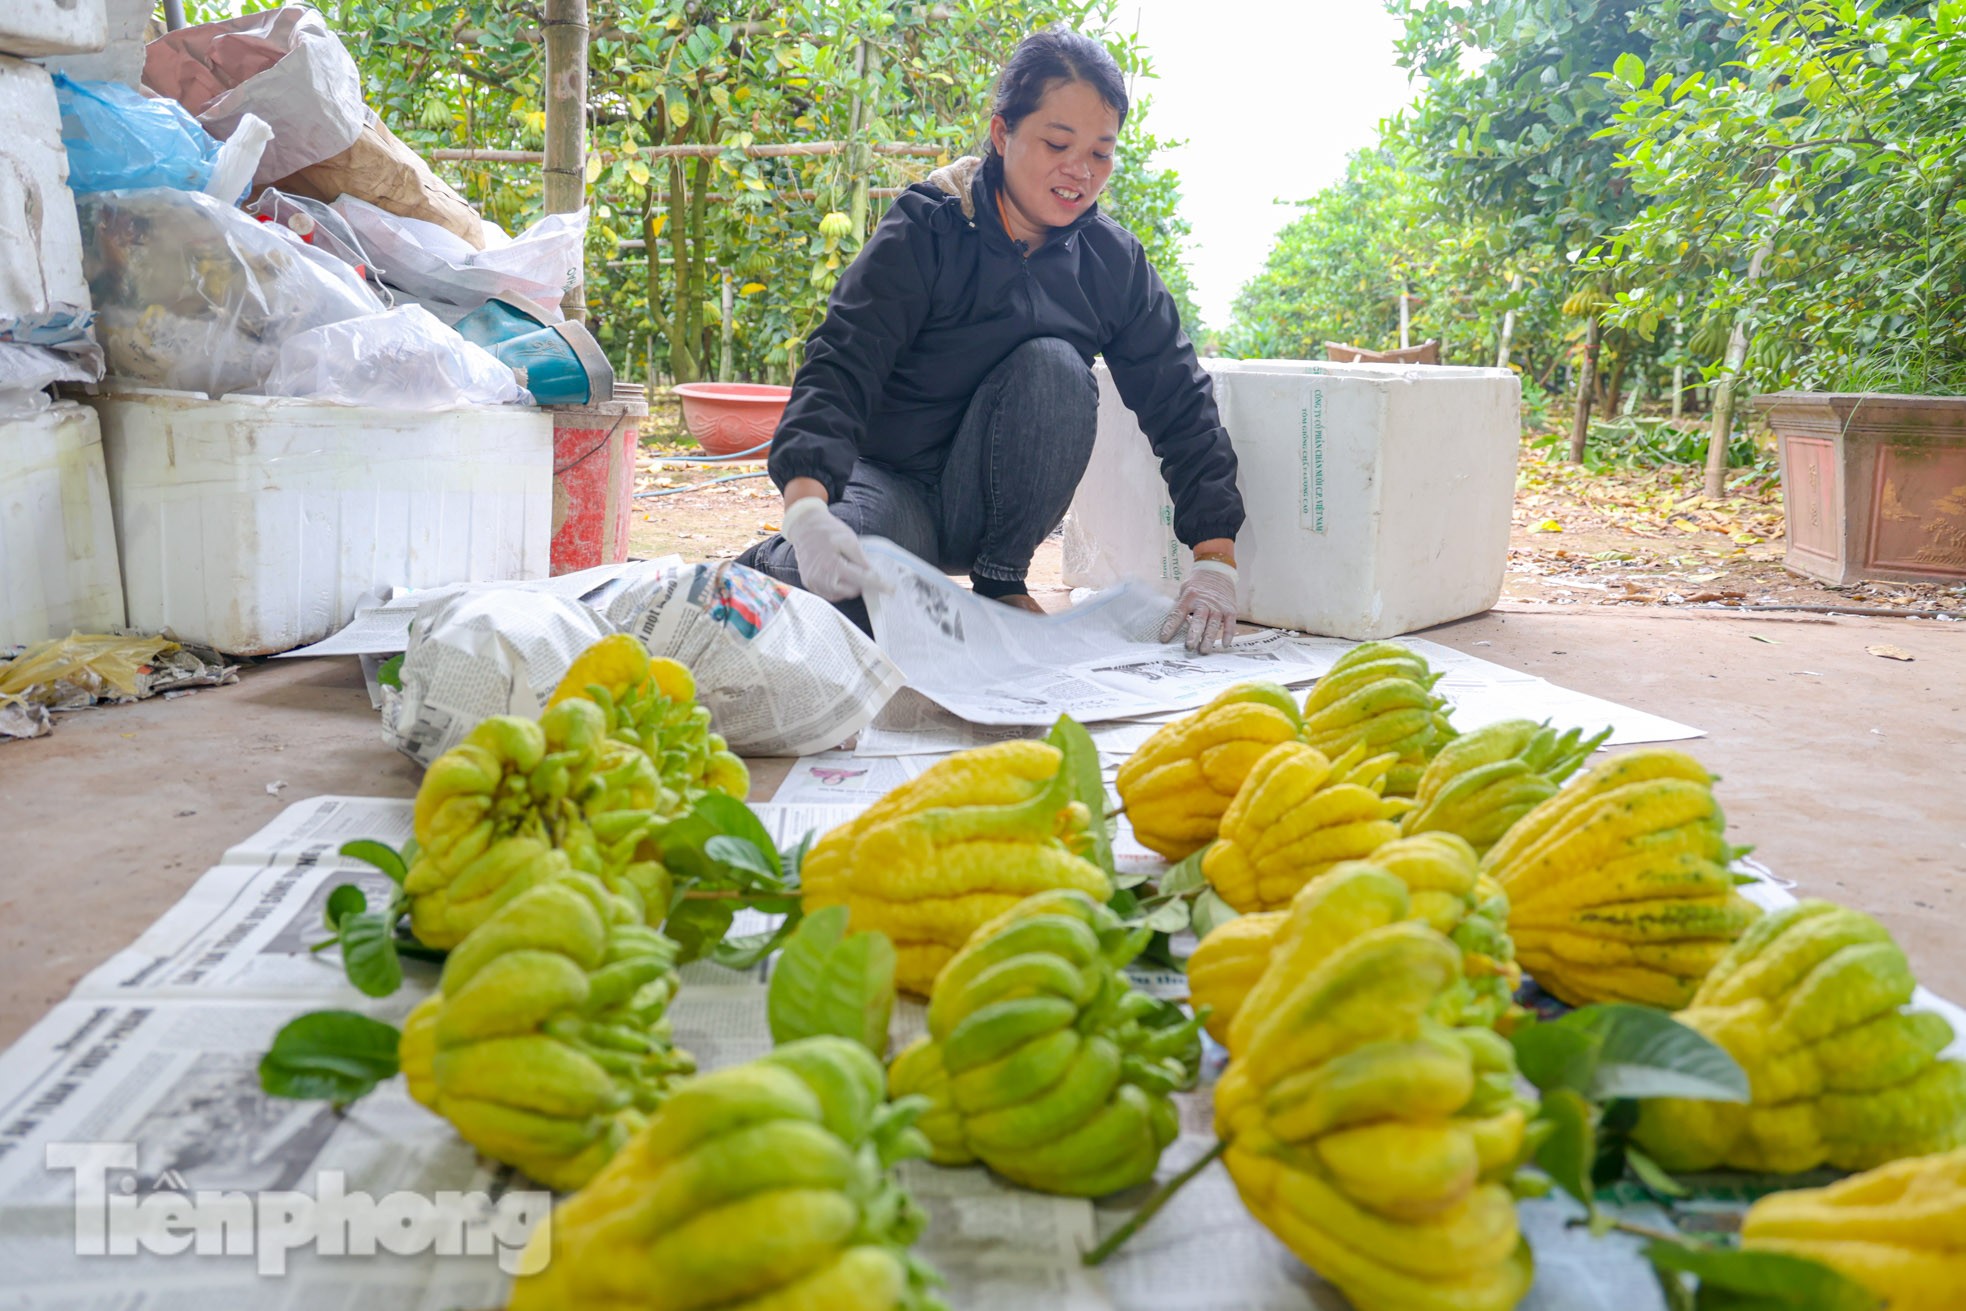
1833	143
724	74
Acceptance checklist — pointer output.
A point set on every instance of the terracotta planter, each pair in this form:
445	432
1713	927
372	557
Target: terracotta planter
1874	485
731	418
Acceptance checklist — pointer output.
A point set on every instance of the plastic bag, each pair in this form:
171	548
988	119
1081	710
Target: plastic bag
451	279
194	295
58	671
118	139
404	358
282	65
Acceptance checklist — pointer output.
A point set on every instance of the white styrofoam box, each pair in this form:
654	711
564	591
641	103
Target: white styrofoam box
1378	495
52	27
58	569
253	524
40	239
120	59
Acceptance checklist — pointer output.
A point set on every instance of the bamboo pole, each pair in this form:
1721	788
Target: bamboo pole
565	156
727	352
784	150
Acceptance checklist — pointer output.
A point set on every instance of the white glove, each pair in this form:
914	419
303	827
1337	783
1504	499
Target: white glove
1206	607
831	564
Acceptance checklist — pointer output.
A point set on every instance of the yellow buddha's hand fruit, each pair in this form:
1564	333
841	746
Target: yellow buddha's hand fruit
1178	784
1811	1003
1899	1230
1619	887
762	1187
1042	1062
941	855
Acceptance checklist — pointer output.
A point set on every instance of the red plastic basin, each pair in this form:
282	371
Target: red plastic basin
729	417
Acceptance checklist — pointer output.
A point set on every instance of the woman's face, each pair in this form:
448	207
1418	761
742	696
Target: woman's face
1057	161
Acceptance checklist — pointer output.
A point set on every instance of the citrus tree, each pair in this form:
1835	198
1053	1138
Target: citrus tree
716	260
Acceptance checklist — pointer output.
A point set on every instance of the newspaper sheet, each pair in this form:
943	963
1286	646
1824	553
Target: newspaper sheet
992	664
141	1166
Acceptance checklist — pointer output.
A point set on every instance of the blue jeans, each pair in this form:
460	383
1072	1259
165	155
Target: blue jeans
1009	476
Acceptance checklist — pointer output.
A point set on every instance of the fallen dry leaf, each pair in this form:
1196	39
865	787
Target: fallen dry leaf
1890	652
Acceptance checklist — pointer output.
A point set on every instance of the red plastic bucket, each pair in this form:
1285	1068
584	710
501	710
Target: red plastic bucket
594	481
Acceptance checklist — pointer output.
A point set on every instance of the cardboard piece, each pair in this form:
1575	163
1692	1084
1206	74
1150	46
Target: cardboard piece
380	169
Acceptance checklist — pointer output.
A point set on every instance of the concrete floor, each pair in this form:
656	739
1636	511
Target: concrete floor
1846	770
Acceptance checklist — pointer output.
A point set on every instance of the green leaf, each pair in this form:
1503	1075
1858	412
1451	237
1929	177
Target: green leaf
1211	912
1732	1280
1183	876
745	952
1569	1152
1084	784
379	854
1170	917
332	1056
1629	69
1619	1050
741	853
390	673
368	953
698	926
345	900
1652	1174
828	983
690	850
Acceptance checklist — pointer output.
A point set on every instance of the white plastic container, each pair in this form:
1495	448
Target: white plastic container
254	525
120	59
40	240
58	569
52	27
1378	495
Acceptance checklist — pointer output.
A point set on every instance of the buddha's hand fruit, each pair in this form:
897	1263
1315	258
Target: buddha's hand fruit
1481	783
650	703
1297	815
1619	887
547	1040
1379	698
762	1187
1375	1140
1899	1230
1042	1062
1810	1002
944	853
1181	780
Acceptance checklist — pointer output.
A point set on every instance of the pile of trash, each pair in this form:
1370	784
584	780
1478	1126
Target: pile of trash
250	226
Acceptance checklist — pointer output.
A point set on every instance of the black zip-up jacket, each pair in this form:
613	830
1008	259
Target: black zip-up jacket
937	298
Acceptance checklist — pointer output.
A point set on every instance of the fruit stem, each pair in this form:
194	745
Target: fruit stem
730	894
1639	1231
1152	1205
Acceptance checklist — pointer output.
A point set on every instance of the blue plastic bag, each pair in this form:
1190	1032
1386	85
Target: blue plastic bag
118	139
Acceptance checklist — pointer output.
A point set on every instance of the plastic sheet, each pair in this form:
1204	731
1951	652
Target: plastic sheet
194	295
440	269
282	65
119	139
405	358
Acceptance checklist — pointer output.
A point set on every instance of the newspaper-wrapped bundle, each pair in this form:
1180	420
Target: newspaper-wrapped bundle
783	672
475	654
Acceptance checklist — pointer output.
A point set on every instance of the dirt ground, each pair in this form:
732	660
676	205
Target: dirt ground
1630	539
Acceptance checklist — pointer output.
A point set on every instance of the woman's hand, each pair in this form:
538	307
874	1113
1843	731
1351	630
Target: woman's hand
831	564
1206	607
